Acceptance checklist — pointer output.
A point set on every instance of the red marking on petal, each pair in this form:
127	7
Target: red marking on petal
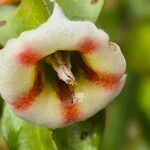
69	102
26	99
88	45
108	81
29	57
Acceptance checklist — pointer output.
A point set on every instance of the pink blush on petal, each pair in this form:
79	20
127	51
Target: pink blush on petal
88	45
29	57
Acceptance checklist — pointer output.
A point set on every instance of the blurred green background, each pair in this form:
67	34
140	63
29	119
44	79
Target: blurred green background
128	117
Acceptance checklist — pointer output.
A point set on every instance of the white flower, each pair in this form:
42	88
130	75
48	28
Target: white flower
55	102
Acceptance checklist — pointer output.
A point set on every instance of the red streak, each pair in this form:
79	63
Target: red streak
69	104
29	57
26	99
108	81
88	45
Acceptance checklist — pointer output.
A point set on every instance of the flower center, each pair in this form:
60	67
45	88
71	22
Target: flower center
60	62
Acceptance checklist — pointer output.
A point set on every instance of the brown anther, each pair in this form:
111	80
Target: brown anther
60	62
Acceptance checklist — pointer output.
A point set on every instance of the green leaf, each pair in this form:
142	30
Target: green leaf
21	135
82	9
85	135
29	15
6	11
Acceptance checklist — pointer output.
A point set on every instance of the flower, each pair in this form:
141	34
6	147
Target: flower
4	2
34	92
